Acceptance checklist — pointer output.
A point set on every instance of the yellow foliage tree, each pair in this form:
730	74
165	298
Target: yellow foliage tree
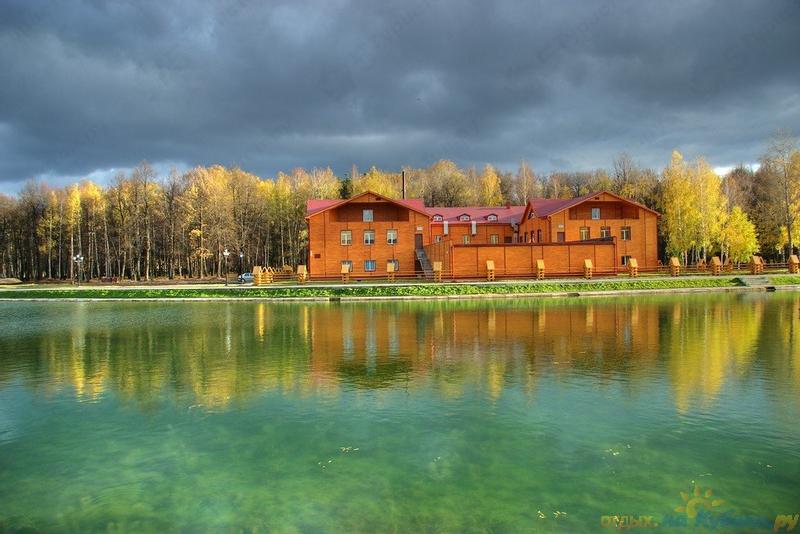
739	236
680	216
711	207
490	194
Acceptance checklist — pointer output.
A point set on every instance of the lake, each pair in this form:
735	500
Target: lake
494	416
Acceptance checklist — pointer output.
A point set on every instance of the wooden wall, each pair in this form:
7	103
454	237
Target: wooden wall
643	244
469	261
326	251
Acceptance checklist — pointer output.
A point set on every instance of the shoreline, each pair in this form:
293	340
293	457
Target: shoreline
583	288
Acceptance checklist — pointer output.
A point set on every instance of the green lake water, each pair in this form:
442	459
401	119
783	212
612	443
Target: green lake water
495	416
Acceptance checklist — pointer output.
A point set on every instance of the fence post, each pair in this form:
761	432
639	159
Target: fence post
674	266
437	271
540	269
633	267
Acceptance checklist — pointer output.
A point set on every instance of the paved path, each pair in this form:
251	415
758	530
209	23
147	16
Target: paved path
399	283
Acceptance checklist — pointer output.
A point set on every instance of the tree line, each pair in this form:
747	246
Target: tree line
142	226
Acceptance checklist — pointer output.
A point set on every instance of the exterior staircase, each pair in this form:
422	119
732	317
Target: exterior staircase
427	268
758	281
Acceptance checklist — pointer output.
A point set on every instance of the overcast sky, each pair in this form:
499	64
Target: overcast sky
90	86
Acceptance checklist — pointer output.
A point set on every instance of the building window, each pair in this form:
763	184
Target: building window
538	236
491	217
369	237
437	239
530	215
605	231
366	215
438	218
584	233
625	233
391	237
369	265
463	218
466	239
348	264
508	239
625	260
396	265
494	239
525	238
346	237
595	214
560	237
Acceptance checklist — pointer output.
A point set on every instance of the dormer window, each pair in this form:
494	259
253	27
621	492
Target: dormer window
530	215
491	217
438	218
463	217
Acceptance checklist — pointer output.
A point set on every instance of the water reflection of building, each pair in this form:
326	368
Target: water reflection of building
220	354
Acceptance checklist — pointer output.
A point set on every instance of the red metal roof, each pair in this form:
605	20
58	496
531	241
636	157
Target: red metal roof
544	207
313	206
316	205
505	214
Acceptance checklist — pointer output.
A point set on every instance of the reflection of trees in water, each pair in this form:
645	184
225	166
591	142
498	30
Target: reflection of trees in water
710	341
216	354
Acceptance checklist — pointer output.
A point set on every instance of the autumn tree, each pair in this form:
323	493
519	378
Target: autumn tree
489	181
738	236
680	216
781	166
710	207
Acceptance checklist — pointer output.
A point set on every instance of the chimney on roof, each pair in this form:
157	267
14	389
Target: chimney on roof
403	185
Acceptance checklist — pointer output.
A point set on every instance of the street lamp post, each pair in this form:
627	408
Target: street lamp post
78	259
241	263
226	253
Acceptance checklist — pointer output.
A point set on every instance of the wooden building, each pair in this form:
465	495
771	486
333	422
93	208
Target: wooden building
365	233
594	216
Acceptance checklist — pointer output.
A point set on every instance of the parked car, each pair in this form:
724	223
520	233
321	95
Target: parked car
245	278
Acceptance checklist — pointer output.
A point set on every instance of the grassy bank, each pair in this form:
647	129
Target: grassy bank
422	290
785	280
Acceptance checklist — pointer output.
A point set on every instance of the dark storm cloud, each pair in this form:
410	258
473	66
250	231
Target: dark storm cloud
95	85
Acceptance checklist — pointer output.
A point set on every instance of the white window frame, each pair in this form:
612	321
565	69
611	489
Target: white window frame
437	239
367	218
438	218
597	212
346	242
349	264
389	239
374	266
370	233
605	231
466	239
494	239
623	230
464	217
491	217
587	231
